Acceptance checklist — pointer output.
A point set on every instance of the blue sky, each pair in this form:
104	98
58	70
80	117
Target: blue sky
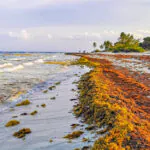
69	25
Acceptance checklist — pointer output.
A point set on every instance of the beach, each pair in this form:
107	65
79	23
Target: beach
97	96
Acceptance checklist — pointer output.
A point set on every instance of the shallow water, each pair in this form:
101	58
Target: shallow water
27	71
52	122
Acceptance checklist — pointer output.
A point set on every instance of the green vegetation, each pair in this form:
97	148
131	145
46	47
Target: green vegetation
33	113
74	135
25	102
125	43
94	44
96	51
12	123
22	133
146	43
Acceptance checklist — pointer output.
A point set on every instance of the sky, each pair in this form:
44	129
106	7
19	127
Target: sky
69	25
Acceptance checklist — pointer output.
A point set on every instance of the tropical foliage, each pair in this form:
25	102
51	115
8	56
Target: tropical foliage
125	43
146	43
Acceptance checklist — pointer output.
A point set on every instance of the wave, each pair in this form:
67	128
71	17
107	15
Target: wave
12	69
39	61
6	65
28	64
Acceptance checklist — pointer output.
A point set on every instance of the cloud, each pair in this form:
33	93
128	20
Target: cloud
144	31
23	34
49	36
110	32
83	36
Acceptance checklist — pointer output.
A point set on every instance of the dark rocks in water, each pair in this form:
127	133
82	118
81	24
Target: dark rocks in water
73	126
14	116
89	128
86	148
24	114
73	99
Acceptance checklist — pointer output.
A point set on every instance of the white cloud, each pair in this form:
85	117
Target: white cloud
83	36
110	32
50	36
144	31
23	34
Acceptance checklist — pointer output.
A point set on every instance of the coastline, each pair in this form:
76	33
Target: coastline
110	97
107	106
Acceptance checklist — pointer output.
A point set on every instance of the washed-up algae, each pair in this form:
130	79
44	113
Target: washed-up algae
22	133
25	102
12	123
110	98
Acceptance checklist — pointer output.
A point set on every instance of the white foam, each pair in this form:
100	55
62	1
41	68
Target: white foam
39	61
28	64
13	68
6	65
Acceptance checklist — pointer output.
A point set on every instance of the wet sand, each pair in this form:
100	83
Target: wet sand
52	122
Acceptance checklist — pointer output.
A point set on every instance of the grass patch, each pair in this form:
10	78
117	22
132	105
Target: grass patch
22	133
73	135
12	123
23	103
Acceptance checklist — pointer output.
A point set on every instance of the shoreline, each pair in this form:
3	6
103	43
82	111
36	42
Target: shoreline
113	98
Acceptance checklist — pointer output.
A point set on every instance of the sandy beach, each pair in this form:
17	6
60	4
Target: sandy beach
82	98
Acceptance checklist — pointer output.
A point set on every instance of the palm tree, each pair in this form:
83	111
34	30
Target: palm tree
108	45
94	45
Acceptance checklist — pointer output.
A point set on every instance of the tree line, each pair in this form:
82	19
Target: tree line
125	43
